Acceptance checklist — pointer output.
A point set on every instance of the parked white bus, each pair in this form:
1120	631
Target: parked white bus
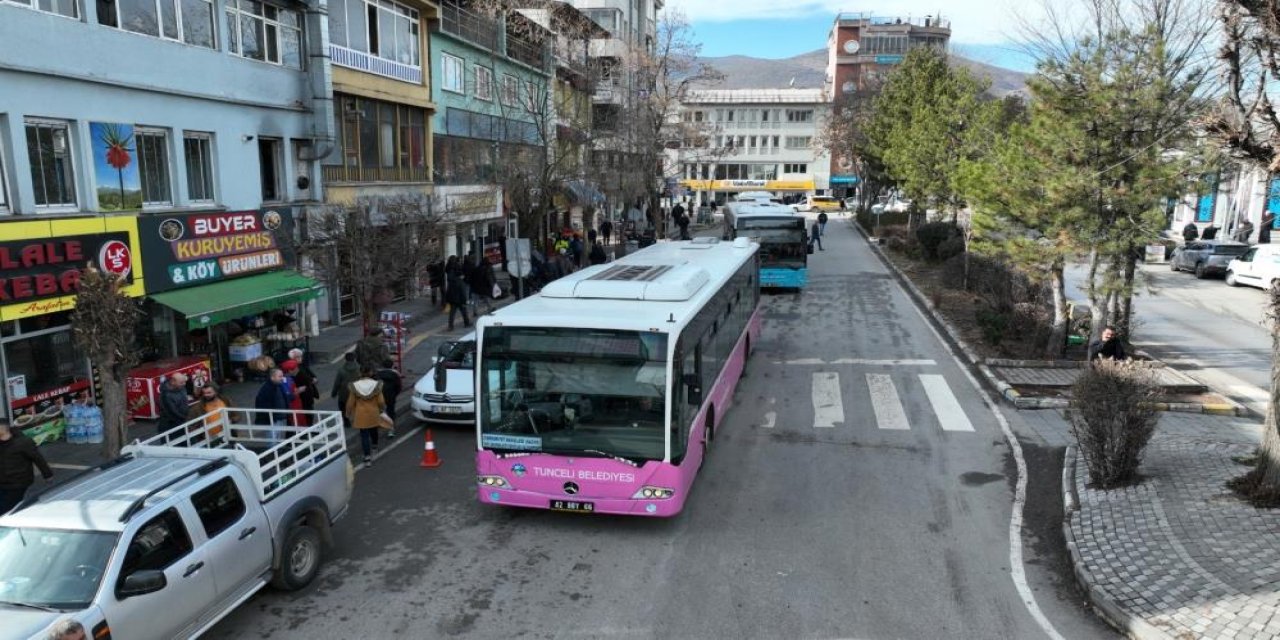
603	392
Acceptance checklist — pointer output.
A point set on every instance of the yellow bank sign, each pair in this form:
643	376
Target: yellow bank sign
748	185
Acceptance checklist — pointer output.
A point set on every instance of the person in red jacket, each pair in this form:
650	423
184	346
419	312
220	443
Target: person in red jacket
17	454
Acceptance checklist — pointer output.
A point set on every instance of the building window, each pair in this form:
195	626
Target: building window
189	21
380	135
384	29
66	8
798	142
197	150
451	74
269	164
4	196
799	115
510	90
532	96
153	166
795	168
484	83
52	174
265	32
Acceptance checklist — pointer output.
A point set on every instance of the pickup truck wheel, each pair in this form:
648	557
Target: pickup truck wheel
301	561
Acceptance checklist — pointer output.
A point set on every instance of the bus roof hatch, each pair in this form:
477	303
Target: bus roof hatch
659	282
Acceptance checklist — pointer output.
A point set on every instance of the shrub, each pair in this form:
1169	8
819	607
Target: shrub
950	248
933	234
1113	419
993	323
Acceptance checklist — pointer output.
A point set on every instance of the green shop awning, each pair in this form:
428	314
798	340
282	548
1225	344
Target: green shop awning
210	304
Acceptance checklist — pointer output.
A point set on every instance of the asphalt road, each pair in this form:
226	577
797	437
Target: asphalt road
860	488
1215	333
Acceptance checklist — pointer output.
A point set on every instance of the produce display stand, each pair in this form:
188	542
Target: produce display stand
395	335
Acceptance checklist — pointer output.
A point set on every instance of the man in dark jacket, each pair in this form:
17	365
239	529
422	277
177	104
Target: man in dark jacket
17	454
455	292
391	387
173	403
350	372
1190	232
1108	348
274	396
371	349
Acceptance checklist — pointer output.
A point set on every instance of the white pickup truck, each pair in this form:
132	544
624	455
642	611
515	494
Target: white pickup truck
176	533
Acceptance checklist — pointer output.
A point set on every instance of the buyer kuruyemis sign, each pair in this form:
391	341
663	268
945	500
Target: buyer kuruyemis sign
201	248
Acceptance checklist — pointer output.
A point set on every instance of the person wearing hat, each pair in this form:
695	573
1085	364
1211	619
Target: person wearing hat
290	369
173	403
306	382
17	454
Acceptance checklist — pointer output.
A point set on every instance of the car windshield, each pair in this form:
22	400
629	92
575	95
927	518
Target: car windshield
574	391
459	355
52	567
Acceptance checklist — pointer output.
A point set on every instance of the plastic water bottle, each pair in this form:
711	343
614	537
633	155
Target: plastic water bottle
92	424
74	420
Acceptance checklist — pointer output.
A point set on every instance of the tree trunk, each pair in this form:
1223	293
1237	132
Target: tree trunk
115	413
1098	299
1058	331
1124	317
1262	484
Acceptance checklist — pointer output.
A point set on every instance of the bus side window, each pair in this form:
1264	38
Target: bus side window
681	413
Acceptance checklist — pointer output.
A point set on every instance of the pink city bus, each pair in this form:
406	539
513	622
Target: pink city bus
603	393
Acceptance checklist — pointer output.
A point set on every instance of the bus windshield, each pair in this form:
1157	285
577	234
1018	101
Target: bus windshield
782	240
595	392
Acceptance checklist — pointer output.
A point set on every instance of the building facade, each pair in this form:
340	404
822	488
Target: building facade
861	51
751	140
180	169
1227	200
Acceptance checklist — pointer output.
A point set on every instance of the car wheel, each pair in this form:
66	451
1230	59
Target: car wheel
1173	264
1231	279
301	561
1200	272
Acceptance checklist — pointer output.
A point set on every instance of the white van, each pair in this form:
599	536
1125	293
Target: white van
1258	267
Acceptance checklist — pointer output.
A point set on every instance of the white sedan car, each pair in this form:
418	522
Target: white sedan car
447	393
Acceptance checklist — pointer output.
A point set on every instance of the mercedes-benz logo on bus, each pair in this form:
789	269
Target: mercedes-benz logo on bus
571	488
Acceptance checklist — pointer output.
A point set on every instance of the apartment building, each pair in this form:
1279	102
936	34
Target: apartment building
751	140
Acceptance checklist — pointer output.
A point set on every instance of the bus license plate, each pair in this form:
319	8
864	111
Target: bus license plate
573	505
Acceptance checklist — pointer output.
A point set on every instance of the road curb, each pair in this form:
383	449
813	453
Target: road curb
1004	389
1107	608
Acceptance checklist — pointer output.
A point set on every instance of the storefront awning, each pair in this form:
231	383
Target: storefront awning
210	304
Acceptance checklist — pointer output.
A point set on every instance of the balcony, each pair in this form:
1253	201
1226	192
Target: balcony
340	174
477	29
529	53
607	94
361	61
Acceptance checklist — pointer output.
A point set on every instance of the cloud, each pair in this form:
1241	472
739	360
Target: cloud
975	21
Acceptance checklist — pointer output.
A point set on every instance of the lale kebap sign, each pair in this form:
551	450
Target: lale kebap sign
192	249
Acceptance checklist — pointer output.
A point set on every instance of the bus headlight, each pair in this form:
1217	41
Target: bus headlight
492	481
653	493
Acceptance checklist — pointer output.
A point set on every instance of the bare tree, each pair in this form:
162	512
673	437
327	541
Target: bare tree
371	246
1247	125
844	136
103	325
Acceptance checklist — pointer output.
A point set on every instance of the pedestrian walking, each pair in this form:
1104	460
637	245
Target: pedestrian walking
173	403
366	408
1264	228
598	255
815	236
677	212
822	222
435	280
1244	231
1190	232
372	349
17	455
1210	232
480	281
683	222
213	406
1109	347
350	372
455	293
273	401
306	381
392	384
290	368
606	231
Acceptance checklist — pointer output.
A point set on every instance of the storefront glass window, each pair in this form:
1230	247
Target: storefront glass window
45	362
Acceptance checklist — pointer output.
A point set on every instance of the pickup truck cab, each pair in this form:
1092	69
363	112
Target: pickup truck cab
176	533
447	393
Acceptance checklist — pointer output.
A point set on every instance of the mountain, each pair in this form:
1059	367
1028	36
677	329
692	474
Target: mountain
809	71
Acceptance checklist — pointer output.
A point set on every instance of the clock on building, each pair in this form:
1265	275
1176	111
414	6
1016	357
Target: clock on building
851	46
848	86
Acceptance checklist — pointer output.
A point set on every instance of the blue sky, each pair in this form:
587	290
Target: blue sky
984	30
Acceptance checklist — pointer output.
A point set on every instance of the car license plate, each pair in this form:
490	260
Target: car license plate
449	409
573	505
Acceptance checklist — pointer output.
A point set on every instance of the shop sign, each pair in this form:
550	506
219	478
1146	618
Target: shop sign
39	269
40	416
185	250
470	205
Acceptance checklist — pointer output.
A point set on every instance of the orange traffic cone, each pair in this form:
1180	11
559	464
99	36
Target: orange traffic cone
429	457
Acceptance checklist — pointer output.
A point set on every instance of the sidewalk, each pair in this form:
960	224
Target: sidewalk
1176	556
326	351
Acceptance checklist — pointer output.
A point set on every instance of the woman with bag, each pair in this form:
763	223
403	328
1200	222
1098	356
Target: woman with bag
367	410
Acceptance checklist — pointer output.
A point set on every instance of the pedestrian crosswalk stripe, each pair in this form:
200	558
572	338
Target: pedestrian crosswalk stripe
945	404
828	406
885	403
858	361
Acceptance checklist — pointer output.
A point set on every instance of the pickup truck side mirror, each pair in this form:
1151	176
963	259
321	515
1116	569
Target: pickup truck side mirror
141	583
